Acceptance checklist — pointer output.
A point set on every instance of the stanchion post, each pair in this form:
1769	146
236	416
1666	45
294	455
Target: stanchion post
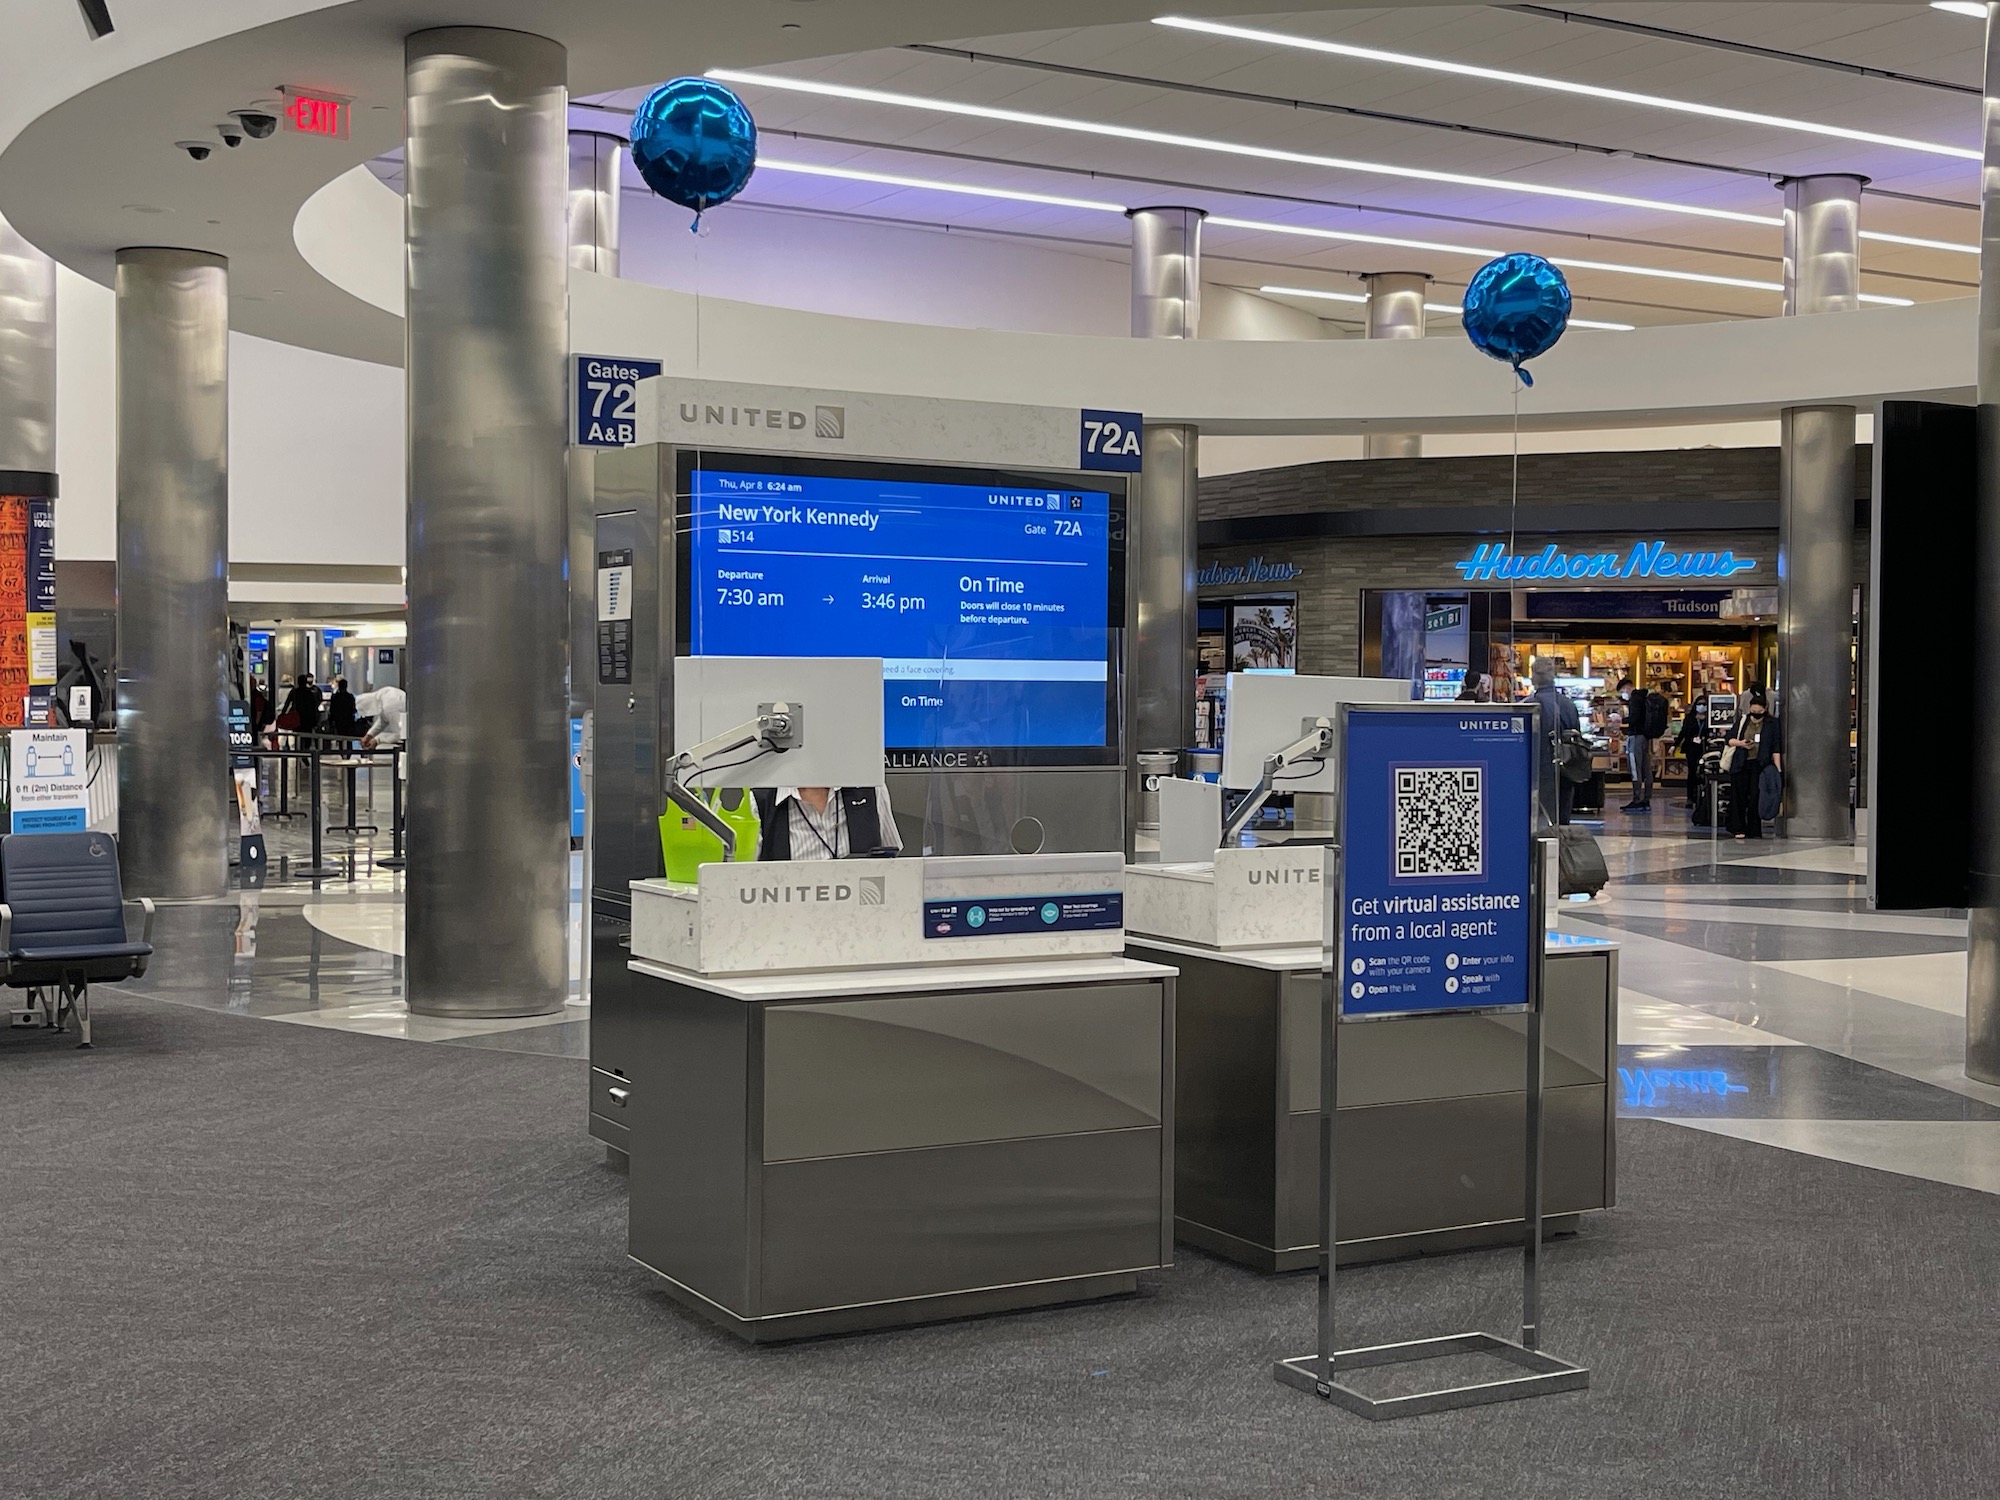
1329	1108
1531	1213
318	862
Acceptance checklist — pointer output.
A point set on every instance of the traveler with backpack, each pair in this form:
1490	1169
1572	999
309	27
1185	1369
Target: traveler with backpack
1645	721
1562	732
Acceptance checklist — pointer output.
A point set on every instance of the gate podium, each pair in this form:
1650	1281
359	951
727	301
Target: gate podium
1435	893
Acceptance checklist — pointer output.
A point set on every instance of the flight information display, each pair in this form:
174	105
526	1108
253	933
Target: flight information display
989	598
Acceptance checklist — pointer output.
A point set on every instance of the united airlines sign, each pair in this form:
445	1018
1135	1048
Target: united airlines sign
1645	560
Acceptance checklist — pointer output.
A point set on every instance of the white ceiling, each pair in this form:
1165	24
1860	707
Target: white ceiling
99	170
1907	39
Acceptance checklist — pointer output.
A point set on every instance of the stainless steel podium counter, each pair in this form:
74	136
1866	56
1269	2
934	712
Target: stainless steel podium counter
1432	1114
830	1151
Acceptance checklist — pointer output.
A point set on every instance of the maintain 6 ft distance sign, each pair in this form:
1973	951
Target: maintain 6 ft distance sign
607	399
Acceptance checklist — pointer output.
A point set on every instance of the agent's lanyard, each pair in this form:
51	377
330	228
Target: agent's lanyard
813	827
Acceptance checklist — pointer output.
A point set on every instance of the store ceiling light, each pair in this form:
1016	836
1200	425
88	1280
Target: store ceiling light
1261	226
828	90
1562	86
1961	8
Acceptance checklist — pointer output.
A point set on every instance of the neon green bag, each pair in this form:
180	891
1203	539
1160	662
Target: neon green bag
685	846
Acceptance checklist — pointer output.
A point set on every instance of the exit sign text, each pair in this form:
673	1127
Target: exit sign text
314	114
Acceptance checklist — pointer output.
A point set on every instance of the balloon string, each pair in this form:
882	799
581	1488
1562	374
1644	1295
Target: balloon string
1514	508
1514	505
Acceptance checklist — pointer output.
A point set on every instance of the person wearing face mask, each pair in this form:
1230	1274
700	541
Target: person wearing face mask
1757	744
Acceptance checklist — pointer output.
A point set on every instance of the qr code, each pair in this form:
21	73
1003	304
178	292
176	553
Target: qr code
1440	823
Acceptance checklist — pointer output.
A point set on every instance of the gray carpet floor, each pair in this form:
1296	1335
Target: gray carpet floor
252	1259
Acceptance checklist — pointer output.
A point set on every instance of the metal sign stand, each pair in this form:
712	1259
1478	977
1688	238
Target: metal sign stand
1542	1374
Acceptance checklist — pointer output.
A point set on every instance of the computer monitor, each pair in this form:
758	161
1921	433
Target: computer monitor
1266	714
838	700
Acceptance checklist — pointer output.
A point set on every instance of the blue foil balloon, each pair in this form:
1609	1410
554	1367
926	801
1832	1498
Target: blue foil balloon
1516	308
694	143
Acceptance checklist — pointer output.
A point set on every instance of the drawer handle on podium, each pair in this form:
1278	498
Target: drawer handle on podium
618	1096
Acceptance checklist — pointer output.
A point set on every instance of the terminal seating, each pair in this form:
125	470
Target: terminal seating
62	922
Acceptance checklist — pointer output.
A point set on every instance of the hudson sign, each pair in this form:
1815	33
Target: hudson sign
1652	559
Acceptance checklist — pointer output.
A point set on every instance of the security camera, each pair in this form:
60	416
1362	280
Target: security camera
199	150
232	137
257	124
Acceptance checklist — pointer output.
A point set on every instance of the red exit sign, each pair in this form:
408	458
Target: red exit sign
316	114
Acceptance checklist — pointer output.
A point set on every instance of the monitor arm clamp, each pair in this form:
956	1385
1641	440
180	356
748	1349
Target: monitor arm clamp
777	728
1315	743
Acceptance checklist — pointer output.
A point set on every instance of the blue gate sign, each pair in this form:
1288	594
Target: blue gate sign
607	399
1437	822
1110	440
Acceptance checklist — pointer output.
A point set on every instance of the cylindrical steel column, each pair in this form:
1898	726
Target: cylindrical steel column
486	339
1395	311
173	571
1982	968
1823	243
1816	524
596	162
1161	523
1166	272
27	357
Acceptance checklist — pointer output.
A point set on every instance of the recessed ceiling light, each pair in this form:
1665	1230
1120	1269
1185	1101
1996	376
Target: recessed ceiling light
1226	148
146	208
1563	86
1961	8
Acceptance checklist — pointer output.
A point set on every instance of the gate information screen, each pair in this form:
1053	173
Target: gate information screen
992	599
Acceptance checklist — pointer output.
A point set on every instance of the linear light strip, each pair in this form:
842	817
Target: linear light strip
1451	308
890	179
1227	148
1561	86
1259	226
1921	244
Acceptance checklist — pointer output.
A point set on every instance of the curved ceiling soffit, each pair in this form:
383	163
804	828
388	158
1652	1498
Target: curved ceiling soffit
98	170
350	232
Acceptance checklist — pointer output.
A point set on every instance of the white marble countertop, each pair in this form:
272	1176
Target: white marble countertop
1299	956
839	984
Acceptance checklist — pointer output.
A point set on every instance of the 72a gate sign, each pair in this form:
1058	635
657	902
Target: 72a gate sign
1110	440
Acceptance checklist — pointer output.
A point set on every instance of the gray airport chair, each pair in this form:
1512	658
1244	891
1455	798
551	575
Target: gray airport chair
62	922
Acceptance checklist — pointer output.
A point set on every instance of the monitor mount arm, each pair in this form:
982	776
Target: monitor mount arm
1315	742
777	728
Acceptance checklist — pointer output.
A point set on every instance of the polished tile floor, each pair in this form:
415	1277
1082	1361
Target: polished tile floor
1762	999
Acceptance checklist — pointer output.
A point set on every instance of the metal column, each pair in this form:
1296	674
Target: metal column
173	571
1395	311
596	162
596	166
1162	520
1982	969
487	334
1816	524
27	357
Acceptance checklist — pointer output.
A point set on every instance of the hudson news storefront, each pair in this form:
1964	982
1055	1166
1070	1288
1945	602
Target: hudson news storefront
1685	613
